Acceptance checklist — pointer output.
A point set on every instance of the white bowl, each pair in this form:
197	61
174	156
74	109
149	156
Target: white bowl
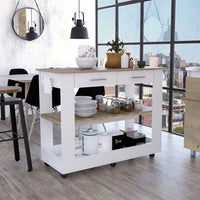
87	62
77	98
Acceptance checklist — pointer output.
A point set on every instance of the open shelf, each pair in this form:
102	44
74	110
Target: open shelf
99	117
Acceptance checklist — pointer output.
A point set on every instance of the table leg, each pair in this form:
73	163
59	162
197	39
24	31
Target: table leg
27	86
2	108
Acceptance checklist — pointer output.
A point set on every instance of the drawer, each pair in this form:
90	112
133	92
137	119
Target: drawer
95	79
135	77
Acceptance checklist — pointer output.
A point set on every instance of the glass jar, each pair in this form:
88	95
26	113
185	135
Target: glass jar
98	99
109	104
138	105
115	106
102	104
127	107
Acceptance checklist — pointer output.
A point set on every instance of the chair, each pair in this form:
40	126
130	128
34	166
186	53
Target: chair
33	98
91	91
17	71
11	102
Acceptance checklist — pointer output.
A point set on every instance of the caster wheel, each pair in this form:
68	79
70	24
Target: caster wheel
113	164
64	175
152	155
46	164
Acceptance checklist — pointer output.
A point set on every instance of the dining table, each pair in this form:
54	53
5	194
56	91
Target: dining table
22	78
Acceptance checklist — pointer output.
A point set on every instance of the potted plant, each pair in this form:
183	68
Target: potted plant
114	59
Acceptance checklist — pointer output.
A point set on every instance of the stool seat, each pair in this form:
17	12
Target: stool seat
10	89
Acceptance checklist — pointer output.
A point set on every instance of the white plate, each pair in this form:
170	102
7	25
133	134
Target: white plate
85	102
85	114
77	98
85	109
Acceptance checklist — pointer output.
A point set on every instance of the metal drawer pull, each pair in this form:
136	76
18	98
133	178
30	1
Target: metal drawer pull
138	77
100	79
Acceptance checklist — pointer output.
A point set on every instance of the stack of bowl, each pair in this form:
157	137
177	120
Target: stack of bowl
85	106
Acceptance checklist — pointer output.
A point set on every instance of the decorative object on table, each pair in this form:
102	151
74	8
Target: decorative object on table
141	64
114	59
86	51
86	57
131	63
117	142
138	105
89	142
79	31
104	142
30	18
124	60
85	108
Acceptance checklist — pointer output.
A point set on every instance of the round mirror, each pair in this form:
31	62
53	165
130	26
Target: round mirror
28	23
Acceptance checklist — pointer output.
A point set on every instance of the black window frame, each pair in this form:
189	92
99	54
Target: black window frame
172	44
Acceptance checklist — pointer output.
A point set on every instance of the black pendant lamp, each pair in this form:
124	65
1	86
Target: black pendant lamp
31	35
79	31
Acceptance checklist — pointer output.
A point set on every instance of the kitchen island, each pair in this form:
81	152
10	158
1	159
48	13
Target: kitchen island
62	157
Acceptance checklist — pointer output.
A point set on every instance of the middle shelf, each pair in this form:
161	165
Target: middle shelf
99	117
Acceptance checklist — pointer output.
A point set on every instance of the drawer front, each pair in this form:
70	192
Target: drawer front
135	77
95	79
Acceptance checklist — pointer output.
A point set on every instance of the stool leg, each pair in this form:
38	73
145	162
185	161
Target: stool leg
26	143
2	108
14	132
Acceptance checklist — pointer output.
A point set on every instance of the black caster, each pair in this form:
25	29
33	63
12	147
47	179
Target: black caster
113	164
63	175
152	155
46	164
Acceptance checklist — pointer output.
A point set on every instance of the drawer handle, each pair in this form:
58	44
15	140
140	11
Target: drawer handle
138	77
100	79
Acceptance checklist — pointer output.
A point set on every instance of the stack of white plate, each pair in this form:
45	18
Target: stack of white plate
85	106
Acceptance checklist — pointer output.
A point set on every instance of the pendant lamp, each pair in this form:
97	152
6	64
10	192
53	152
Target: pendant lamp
79	31
31	35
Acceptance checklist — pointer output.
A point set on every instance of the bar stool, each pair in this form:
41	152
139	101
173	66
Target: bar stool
11	101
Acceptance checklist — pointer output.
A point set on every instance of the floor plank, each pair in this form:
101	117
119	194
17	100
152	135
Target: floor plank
171	174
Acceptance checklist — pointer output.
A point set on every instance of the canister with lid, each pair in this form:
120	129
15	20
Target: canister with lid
89	142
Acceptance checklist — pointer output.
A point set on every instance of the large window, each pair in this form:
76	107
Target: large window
163	33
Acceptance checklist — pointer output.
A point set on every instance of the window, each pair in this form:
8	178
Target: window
172	44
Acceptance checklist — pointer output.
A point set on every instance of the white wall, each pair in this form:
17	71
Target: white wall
53	48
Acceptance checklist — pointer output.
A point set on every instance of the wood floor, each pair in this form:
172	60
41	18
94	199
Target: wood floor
172	174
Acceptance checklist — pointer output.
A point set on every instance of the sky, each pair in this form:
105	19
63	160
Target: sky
157	20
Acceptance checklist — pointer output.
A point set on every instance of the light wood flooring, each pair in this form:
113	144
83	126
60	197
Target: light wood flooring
172	174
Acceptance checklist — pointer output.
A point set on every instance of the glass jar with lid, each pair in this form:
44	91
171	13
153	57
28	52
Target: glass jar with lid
102	104
115	106
109	104
98	99
127	107
138	105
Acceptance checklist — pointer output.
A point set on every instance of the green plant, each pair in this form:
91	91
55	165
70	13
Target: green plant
117	46
179	130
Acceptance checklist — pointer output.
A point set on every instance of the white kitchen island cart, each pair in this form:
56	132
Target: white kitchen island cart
62	157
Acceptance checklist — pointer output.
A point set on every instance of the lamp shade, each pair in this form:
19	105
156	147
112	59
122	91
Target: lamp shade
79	31
31	35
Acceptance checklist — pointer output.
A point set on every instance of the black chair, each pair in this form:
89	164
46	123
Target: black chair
17	71
33	98
91	91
